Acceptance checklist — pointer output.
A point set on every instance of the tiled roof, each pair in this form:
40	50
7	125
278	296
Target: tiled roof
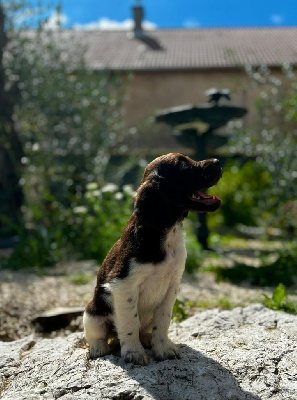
189	48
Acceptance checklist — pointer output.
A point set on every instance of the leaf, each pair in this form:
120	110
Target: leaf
179	312
268	302
279	295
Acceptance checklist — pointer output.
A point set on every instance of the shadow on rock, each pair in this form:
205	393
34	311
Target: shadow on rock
193	377
229	355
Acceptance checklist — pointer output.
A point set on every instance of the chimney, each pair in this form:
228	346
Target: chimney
138	15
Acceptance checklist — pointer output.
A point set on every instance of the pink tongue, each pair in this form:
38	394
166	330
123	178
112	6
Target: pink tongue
202	194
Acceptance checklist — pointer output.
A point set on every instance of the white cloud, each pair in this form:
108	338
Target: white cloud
277	19
106	24
191	23
55	21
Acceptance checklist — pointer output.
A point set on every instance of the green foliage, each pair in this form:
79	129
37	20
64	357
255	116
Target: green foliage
282	269
38	247
221	303
279	301
224	304
240	190
69	122
41	241
289	102
98	223
182	309
194	250
85	230
11	195
272	145
179	312
80	279
67	114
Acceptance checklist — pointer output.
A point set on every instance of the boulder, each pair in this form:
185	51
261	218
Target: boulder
244	354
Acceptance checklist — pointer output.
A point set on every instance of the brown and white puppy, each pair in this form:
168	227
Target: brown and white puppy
138	281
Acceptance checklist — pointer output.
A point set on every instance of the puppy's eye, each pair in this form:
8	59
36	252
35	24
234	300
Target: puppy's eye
184	165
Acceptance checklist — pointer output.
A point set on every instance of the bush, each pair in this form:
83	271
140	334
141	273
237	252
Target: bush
194	252
272	145
194	248
67	118
241	189
283	269
97	224
86	230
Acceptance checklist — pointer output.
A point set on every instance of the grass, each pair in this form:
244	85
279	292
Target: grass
80	279
222	303
182	309
278	301
180	312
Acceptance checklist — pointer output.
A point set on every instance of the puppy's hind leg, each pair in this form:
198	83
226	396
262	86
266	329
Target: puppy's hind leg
96	329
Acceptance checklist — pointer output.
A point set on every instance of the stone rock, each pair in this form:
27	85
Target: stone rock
244	354
56	318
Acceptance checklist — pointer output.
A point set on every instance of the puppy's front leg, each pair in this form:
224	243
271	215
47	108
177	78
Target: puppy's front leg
163	348
125	301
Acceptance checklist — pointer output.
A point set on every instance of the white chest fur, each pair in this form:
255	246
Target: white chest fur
152	282
158	278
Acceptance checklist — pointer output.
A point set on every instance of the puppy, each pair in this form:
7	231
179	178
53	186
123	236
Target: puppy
138	281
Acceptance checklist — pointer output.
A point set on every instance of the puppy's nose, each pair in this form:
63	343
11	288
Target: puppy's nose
215	161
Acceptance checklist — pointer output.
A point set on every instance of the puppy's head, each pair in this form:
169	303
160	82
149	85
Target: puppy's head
174	184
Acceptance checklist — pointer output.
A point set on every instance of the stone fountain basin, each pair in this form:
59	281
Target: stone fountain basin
215	116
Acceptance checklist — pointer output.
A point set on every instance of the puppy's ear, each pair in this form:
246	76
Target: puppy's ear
152	207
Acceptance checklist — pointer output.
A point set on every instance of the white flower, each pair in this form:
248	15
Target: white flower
80	210
24	160
35	147
118	196
109	187
129	190
92	186
97	193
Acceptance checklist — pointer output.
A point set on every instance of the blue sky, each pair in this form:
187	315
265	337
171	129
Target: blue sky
181	13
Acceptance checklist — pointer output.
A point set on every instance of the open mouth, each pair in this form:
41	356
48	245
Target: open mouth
201	197
202	202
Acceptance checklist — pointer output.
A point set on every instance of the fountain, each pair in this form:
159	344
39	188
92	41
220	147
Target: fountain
195	126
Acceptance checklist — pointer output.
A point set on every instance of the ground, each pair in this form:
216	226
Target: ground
24	295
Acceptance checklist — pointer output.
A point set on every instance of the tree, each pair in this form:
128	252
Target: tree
67	116
11	194
273	145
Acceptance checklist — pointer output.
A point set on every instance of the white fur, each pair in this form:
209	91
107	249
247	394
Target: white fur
142	304
96	334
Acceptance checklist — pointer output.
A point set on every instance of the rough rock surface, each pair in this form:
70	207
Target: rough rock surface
248	353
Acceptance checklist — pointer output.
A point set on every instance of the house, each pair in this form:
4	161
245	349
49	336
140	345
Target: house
172	67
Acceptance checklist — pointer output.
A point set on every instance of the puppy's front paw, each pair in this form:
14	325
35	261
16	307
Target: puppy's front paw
99	348
165	350
135	357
